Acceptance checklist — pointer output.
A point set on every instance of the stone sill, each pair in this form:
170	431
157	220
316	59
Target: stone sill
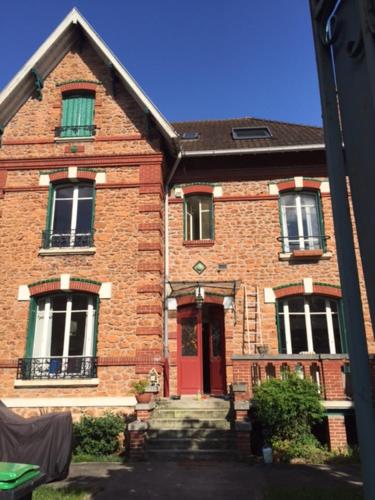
67	401
304	255
88	382
338	404
198	243
67	251
75	139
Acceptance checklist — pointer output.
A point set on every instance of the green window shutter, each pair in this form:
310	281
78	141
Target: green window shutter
77	115
31	328
47	232
321	221
278	328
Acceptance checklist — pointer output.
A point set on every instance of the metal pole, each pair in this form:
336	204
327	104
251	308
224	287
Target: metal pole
358	354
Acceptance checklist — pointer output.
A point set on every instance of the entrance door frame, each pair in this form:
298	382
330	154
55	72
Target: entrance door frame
191	311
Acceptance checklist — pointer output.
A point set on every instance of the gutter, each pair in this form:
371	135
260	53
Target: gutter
276	149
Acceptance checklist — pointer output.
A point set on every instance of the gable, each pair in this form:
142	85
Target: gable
73	28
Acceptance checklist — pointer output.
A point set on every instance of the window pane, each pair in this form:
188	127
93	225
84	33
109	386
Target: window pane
216	338
64	192
79	302
206	225
298	333
77	333
282	347
189	340
85	191
296	304
58	302
320	333
288	200
62	217
84	216
336	331
57	334
317	305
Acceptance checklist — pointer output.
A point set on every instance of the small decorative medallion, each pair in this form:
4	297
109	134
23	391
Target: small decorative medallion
199	267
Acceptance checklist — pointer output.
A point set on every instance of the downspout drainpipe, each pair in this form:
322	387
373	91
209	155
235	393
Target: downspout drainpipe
166	252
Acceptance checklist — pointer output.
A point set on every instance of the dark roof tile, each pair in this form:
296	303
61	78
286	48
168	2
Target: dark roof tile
217	134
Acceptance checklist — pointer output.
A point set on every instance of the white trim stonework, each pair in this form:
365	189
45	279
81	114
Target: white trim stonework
78	402
87	382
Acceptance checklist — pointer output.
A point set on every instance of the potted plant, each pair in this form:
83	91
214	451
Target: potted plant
139	387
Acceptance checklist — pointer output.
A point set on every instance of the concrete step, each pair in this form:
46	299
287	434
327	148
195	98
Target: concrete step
181	414
188	423
181	455
194	403
191	444
189	433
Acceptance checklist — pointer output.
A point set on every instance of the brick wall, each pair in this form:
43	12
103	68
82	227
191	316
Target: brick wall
128	227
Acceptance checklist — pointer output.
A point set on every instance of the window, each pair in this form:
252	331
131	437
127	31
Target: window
301	221
70	216
251	133
198	217
77	118
190	136
62	336
310	324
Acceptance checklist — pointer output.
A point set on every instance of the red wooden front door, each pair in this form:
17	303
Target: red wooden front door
200	346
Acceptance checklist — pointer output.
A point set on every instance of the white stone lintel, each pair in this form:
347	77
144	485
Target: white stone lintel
100	178
273	189
105	291
23	293
298	181
324	187
308	286
65	281
44	180
218	191
269	296
72	172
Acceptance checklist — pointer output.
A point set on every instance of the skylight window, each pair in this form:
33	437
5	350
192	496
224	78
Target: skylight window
251	133
189	136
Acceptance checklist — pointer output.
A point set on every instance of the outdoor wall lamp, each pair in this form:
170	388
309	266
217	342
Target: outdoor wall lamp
199	296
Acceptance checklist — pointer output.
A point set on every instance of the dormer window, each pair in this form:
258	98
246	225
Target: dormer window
77	118
190	136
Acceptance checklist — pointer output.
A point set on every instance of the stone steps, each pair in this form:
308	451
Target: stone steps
191	429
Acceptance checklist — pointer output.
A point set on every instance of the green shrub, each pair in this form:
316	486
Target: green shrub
287	408
98	435
306	449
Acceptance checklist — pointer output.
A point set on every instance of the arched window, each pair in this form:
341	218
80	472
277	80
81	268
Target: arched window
70	220
301	221
199	217
61	340
77	118
310	324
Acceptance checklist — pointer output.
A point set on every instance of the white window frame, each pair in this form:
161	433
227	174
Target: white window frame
315	241
189	215
309	334
73	219
43	329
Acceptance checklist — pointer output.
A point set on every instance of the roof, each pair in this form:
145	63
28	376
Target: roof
216	135
50	54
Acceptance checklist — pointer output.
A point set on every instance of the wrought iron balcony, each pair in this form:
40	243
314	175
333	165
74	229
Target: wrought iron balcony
310	242
53	239
56	368
75	131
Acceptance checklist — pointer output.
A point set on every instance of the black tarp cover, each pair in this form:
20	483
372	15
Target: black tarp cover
45	441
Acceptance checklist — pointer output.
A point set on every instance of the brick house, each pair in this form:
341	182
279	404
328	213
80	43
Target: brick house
202	250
